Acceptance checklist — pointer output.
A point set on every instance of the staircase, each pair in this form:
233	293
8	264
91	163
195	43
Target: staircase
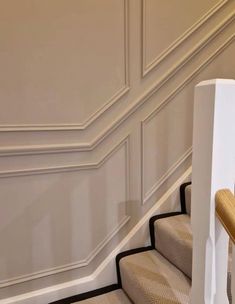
158	274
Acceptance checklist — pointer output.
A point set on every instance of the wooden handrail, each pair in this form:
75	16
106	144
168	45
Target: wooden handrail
225	211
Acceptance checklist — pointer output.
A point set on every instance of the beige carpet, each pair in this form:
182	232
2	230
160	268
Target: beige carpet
148	278
161	276
173	239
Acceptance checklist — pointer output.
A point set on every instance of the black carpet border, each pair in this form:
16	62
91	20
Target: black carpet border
153	219
182	196
87	295
123	255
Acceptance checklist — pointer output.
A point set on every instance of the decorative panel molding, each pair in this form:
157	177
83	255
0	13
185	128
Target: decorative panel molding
63	213
38	149
149	64
55	103
149	190
164	139
57	169
146	196
149	126
88	201
66	148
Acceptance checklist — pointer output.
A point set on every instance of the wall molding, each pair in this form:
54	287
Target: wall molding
85	262
67	148
147	67
191	76
68	267
105	273
97	114
67	168
146	196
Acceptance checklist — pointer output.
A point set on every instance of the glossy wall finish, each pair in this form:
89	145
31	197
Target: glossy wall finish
96	123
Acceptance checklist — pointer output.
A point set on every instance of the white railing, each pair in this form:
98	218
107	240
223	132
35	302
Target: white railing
213	169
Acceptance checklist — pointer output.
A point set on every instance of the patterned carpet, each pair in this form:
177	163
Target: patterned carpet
162	275
148	278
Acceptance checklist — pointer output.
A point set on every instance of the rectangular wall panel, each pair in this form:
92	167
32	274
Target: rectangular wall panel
54	222
64	63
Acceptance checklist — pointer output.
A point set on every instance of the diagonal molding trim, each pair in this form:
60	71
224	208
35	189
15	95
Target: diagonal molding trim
132	108
68	267
68	168
146	196
148	67
66	148
91	256
98	278
106	106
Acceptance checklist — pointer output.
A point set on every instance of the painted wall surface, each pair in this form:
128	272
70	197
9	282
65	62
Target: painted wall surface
96	115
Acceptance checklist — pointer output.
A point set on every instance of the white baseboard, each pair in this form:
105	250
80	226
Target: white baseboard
105	274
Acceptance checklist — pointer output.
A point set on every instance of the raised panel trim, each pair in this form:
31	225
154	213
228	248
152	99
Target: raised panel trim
145	196
164	177
106	106
85	262
135	237
147	67
68	267
66	168
66	148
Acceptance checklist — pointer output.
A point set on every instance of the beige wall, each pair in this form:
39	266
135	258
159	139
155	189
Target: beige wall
95	123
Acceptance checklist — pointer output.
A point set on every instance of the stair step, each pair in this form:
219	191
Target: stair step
149	278
173	239
187	193
161	275
113	297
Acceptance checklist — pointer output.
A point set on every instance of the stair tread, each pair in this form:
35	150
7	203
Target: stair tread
113	297
173	239
149	278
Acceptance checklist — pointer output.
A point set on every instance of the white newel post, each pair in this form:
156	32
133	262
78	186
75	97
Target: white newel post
213	169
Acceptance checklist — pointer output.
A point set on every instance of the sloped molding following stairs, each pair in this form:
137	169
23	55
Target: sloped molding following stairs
70	168
146	196
124	144
105	273
42	155
132	109
78	264
148	67
39	149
